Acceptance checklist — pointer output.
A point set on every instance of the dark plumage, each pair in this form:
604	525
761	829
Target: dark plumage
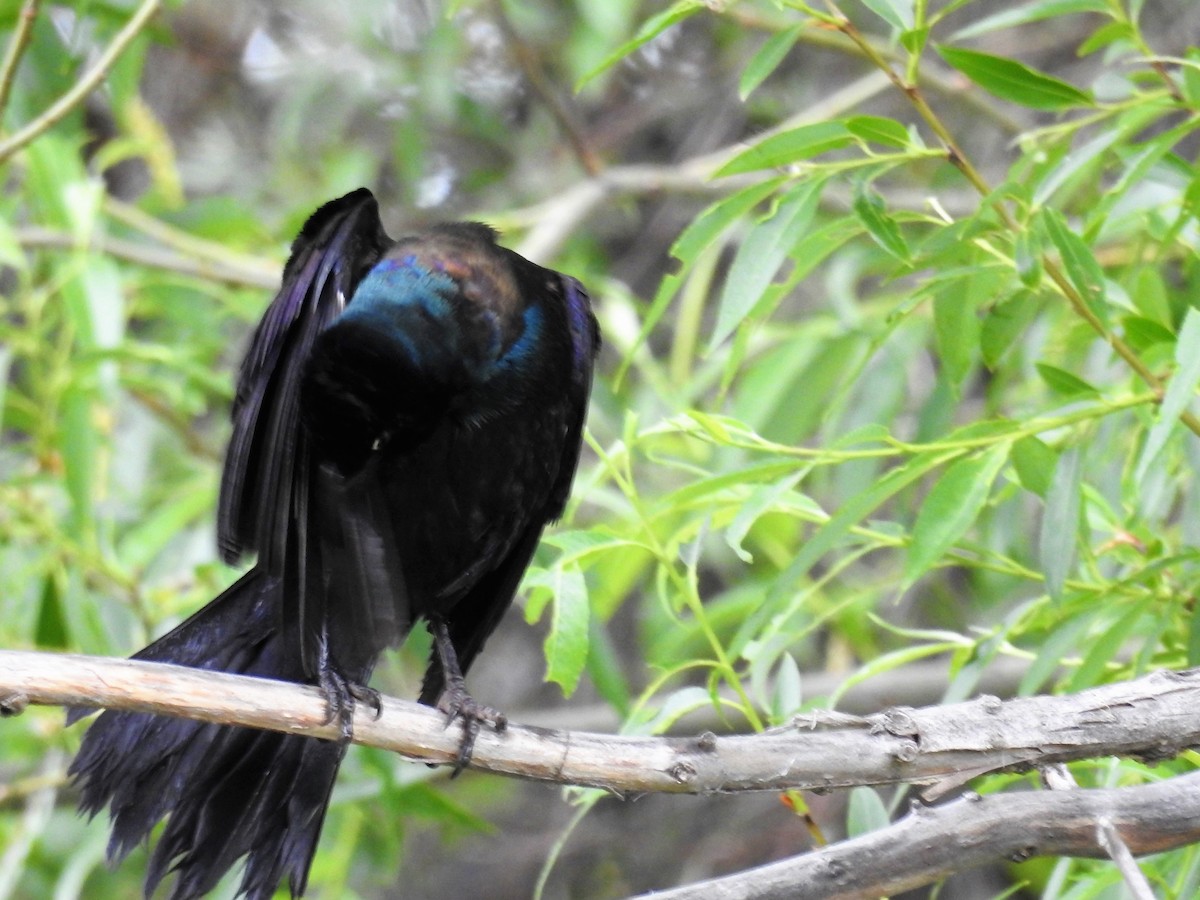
408	418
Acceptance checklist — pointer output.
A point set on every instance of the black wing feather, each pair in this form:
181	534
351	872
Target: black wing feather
335	248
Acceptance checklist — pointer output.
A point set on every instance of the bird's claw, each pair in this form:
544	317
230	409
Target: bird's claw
456	703
341	694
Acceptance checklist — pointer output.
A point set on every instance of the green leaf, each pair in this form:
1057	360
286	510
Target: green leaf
51	631
852	511
879	130
1060	522
651	28
870	209
761	254
1050	654
767	59
1063	382
1105	36
1103	648
956	330
789	147
1034	462
897	13
1026	13
1082	268
566	645
1180	391
951	507
1004	324
865	812
701	234
787	695
1142	333
1014	81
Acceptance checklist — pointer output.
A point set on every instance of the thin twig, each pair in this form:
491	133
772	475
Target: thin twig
266	276
563	114
186	243
88	83
22	33
1058	777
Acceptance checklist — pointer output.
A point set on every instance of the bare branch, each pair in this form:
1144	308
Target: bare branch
1155	717
35	238
931	843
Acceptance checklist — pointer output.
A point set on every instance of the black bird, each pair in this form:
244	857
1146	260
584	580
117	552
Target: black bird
407	420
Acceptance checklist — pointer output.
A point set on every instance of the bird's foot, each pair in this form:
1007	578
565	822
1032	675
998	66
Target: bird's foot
340	696
456	703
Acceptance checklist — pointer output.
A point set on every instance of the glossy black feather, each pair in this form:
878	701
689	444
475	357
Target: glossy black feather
408	418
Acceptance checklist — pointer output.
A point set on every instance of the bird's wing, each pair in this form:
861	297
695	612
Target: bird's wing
264	482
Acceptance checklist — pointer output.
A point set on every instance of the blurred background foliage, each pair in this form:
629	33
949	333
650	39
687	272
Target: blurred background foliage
875	422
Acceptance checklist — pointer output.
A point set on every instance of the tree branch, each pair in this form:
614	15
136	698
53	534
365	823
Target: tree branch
931	843
88	83
1153	717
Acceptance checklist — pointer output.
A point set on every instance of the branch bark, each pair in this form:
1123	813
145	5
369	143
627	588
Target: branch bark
1153	717
931	843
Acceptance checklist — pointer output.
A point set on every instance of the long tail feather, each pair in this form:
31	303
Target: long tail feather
230	792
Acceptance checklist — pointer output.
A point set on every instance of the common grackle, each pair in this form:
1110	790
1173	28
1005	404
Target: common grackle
407	420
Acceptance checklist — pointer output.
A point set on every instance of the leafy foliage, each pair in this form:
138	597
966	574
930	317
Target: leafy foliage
916	379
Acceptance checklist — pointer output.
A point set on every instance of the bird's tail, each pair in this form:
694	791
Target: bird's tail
230	792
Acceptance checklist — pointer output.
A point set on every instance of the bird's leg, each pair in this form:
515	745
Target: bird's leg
455	702
341	693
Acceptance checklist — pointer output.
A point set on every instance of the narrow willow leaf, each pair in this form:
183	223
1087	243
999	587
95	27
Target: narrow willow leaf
758	259
897	13
792	146
879	130
787	694
763	498
951	508
651	28
871	211
1073	162
914	42
1103	648
1180	390
865	813
1027	257
767	59
1105	36
956	330
51	629
1063	382
1082	268
1026	13
1060	643
1142	333
1004	324
853	511
701	234
1034	462
1060	522
1014	81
